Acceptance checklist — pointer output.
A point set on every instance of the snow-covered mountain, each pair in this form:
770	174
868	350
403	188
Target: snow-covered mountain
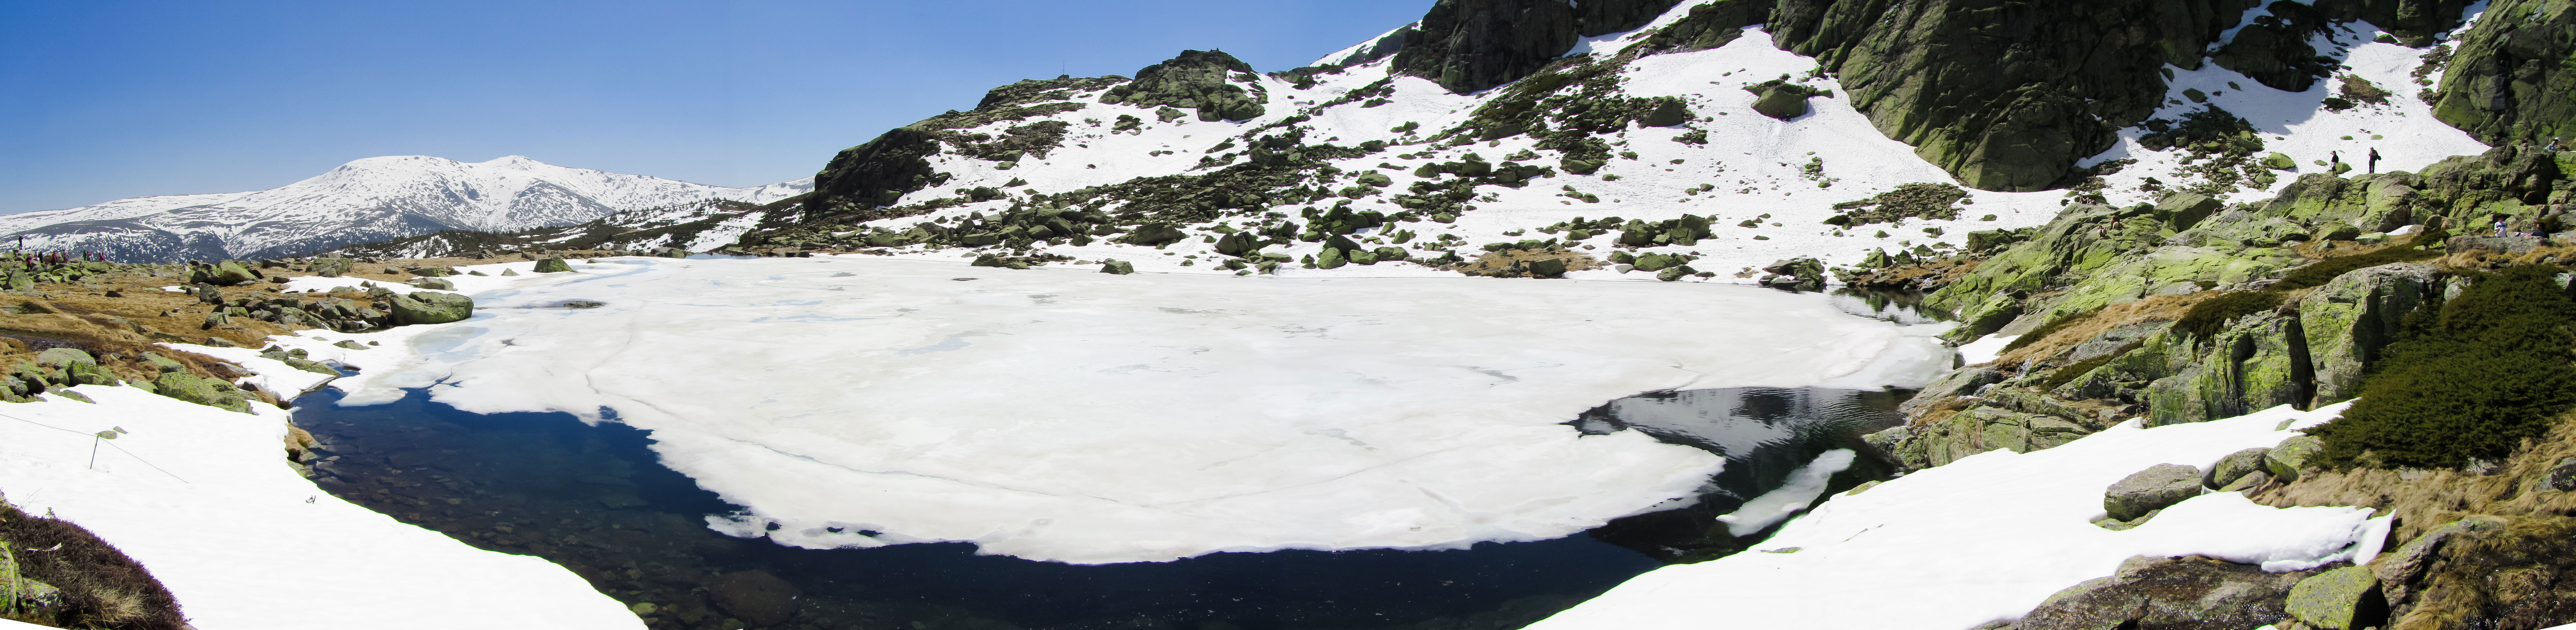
367	200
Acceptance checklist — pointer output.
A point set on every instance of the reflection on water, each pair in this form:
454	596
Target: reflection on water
1903	307
595	500
1764	433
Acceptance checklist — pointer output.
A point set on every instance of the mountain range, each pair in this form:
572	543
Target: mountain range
368	200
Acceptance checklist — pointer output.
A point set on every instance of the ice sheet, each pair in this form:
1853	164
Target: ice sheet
1084	417
1984	538
204	499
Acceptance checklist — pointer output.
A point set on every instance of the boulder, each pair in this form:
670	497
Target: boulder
2286	460
509	272
351	344
1976	430
1119	267
1807	273
163	363
2161	592
61	358
1780	99
1330	258
441	284
2183	210
2349	320
2347	598
225	274
755	596
2398	571
203	391
553	264
2158	487
431	307
1203	80
2508	245
1547	268
1154	234
2233	467
2280	162
331	266
434	272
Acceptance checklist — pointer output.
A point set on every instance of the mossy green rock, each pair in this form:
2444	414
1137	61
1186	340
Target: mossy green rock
431	307
1780	99
2280	162
441	284
203	391
2156	488
2347	598
2286	460
2234	466
1118	267
65	357
1330	258
554	264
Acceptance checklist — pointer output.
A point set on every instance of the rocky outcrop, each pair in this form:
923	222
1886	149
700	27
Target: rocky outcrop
1198	80
2004	97
1470	45
2350	319
2511	80
2274	49
1603	17
2257	362
875	174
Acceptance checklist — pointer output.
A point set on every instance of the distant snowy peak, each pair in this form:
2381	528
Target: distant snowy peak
366	200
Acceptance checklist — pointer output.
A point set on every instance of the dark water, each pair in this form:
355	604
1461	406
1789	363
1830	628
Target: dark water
1902	307
595	499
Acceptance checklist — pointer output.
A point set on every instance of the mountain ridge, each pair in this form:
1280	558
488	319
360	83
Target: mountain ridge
364	200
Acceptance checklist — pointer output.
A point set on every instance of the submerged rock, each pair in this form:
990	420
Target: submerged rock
755	596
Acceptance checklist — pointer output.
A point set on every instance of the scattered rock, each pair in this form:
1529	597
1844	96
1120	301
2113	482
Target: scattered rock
553	264
351	344
441	284
203	391
509	272
2158	487
1119	267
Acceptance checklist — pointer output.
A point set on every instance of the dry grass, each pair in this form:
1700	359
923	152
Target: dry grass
2426	499
2160	308
2478	259
1500	262
1925	276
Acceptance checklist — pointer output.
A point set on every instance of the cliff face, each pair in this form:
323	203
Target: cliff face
2005	95
2511	80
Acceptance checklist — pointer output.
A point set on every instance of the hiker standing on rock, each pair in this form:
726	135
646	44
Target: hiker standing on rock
2374	159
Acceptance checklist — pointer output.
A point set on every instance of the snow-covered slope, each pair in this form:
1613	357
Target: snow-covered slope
363	201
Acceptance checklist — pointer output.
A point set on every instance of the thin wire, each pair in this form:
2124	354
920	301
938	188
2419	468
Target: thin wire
94	436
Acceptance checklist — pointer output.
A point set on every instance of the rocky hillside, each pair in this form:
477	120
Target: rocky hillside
363	201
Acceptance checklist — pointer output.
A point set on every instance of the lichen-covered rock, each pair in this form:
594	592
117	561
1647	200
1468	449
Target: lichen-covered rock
1977	430
1155	233
203	391
223	274
2158	487
2346	598
1805	273
441	284
331	266
1330	258
431	307
553	264
1117	267
1780	99
2257	362
2161	592
65	357
1204	80
863	178
2350	319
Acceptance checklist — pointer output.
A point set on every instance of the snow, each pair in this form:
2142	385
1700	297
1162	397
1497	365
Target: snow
1987	538
1793	495
1984	349
201	497
1091	418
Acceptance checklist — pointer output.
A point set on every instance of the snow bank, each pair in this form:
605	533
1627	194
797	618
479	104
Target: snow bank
204	498
1985	348
1984	538
1083	417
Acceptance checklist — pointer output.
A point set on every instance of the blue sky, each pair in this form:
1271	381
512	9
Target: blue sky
106	99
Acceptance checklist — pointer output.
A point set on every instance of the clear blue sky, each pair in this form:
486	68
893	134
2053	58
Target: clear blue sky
103	99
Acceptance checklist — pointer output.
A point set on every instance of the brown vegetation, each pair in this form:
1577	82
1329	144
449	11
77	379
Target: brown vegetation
2159	308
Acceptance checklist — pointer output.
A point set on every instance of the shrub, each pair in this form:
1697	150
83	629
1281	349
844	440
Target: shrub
2469	379
2205	319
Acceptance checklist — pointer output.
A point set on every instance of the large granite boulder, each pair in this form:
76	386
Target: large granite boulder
2153	592
2158	487
431	307
2352	318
